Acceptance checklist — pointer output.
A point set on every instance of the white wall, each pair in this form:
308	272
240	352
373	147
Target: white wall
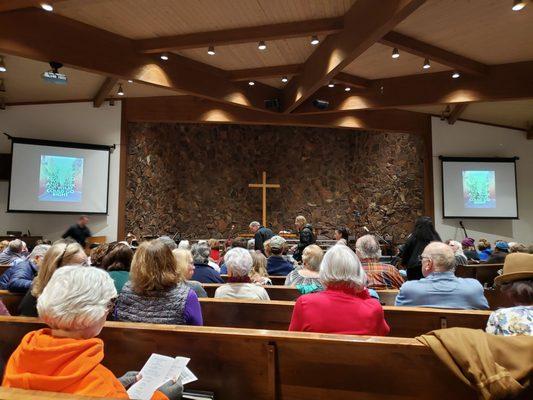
71	122
478	140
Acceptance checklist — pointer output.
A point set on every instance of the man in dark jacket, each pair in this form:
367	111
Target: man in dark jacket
277	265
19	277
79	232
261	235
306	236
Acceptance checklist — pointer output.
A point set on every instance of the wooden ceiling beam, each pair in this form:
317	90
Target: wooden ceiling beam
264	72
503	82
325	26
106	88
45	36
456	112
10	5
434	53
353	81
364	24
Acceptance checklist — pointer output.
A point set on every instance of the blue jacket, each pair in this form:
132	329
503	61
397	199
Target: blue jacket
203	273
22	276
443	290
278	266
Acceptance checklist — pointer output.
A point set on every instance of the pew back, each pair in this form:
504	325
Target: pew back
484	273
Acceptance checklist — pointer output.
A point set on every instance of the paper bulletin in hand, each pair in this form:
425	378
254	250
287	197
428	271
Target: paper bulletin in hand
157	371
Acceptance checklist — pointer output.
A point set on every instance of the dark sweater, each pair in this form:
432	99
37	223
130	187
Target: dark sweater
203	273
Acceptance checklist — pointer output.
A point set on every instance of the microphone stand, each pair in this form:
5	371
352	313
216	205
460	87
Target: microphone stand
464	230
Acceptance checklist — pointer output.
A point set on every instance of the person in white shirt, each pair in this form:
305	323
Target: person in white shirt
239	263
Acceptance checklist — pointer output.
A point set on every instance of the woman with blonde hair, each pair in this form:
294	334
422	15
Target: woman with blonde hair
156	292
259	273
63	252
306	279
186	269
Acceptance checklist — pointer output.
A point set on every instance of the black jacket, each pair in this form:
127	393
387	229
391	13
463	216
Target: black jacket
78	233
260	237
306	238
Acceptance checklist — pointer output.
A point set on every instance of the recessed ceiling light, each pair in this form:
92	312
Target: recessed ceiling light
395	53
284	79
164	56
211	50
120	92
426	65
262	45
47	7
518	5
456	75
347	88
251	83
2	65
331	84
130	81
314	40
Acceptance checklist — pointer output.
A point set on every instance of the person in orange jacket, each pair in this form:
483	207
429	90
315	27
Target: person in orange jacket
67	357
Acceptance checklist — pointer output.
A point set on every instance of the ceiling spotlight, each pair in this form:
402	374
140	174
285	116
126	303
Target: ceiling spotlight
314	40
130	81
347	88
251	83
518	5
211	50
331	84
395	53
47	7
427	65
456	75
164	56
2	65
120	91
262	45
284	79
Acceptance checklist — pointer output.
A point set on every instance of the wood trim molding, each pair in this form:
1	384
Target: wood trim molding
106	88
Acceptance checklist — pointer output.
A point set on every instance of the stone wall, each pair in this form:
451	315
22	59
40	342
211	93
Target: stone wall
193	178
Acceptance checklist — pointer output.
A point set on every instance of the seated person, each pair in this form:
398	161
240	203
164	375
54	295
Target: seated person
20	275
484	249
345	306
440	287
306	279
62	252
117	263
239	286
155	292
203	272
518	248
379	275
259	274
66	357
501	249
214	245
460	258
186	269
13	252
277	265
516	282
342	235
231	244
469	249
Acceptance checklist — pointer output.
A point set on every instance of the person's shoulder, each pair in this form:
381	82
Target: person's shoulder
470	283
412	286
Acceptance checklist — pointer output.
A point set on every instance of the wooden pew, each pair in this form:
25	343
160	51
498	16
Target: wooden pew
403	321
484	273
274	292
276	280
11	300
268	365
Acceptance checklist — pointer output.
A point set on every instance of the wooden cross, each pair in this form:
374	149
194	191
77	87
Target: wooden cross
264	186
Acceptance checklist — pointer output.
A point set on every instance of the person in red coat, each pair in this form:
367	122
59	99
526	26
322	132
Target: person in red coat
345	306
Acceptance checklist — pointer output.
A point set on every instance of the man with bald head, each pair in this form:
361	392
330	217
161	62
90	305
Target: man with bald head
440	287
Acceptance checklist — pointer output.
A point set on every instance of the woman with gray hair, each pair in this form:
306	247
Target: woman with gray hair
239	263
306	279
66	357
345	306
203	272
20	275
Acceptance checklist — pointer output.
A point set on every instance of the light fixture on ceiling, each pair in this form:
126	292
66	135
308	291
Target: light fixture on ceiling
315	40
120	92
130	81
211	50
395	53
284	79
456	75
331	84
347	88
2	65
262	45
426	65
251	83
518	5
164	56
47	7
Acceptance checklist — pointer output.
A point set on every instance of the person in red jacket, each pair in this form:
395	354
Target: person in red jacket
345	306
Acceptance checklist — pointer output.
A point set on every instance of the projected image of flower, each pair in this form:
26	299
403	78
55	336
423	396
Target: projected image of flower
479	189
60	179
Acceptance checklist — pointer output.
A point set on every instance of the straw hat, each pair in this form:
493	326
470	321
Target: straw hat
517	266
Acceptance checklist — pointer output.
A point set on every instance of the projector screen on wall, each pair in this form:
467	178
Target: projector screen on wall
479	187
58	177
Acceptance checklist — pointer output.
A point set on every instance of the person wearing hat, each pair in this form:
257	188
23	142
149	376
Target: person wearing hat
469	249
501	249
516	282
277	265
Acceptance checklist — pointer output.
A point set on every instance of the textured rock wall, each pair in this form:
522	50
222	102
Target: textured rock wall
193	178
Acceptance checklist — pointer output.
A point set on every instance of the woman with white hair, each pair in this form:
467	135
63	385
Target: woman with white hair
306	278
66	357
239	263
460	258
345	306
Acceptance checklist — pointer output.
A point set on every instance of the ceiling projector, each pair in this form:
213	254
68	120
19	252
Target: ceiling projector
54	76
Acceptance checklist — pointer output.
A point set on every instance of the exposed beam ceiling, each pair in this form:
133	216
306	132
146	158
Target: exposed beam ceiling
364	24
287	30
456	112
103	92
503	82
352	80
425	50
44	36
10	5
264	72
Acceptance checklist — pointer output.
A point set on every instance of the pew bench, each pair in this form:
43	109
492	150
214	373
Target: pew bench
276	280
268	365
484	273
11	300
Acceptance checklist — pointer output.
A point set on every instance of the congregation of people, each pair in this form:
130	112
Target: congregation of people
160	281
